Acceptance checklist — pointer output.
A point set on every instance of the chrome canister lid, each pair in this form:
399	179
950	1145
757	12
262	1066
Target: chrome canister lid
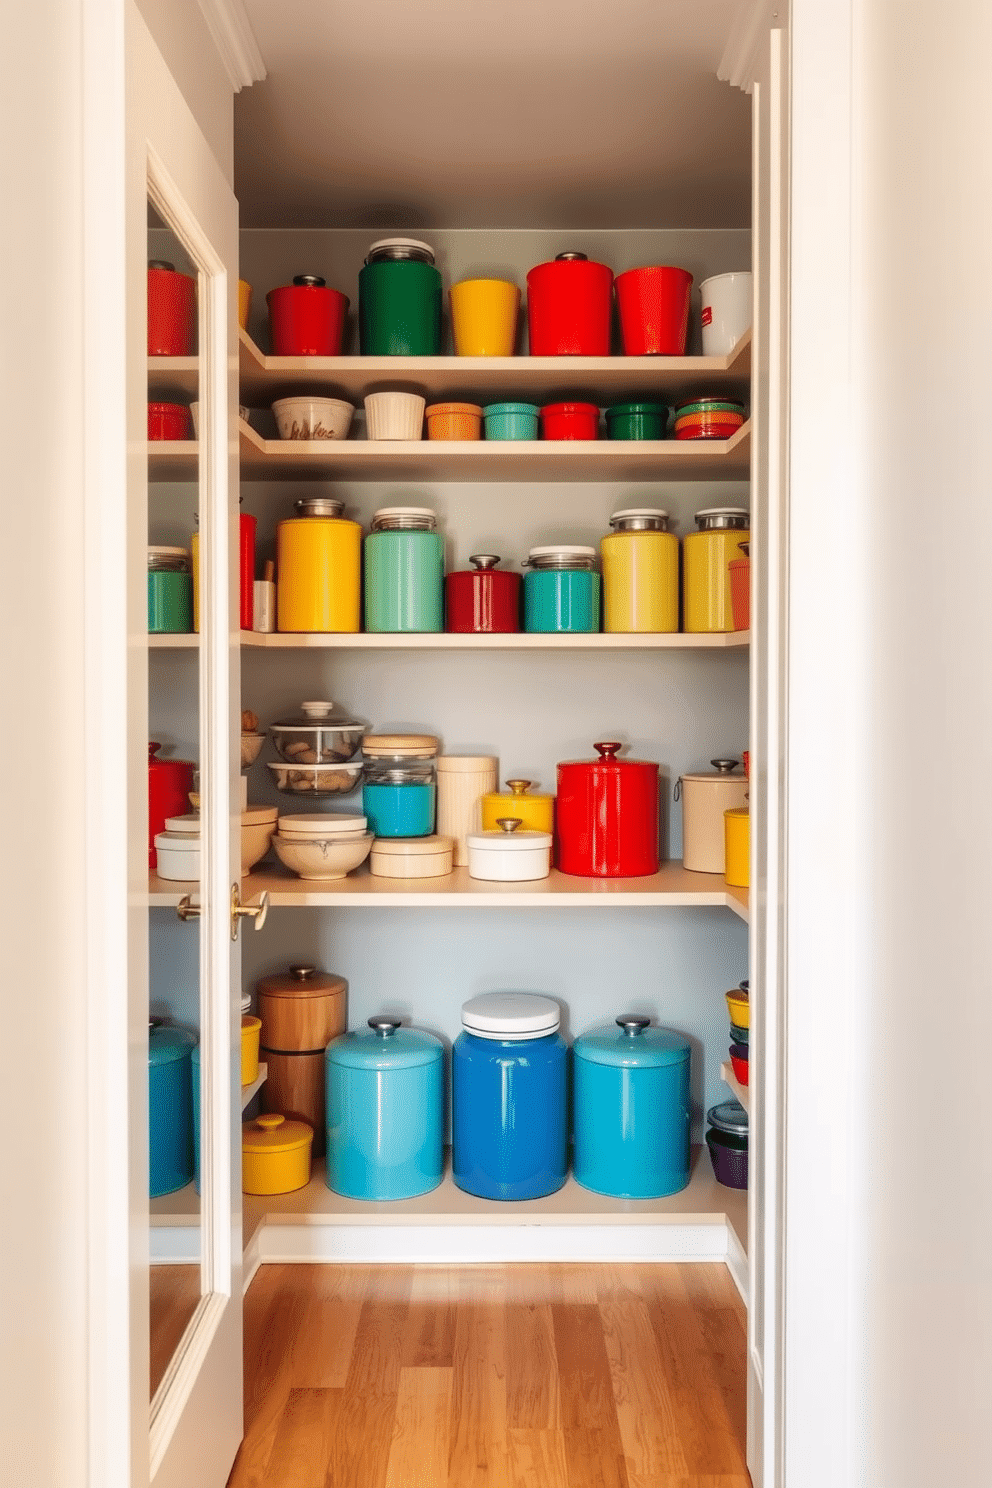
729	1116
310	281
162	263
484	562
404	519
511	1015
508	837
714	517
318	506
168	560
561	555
640	519
571	257
400	250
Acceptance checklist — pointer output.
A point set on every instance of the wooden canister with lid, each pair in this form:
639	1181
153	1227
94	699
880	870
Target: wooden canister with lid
301	1010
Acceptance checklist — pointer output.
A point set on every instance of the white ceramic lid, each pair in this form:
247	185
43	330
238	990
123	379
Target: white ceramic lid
510	1015
187	826
506	840
322	824
180	842
412	847
456	764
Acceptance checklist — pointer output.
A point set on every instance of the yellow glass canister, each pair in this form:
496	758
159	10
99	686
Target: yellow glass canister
737	823
640	572
536	813
275	1155
706	555
319	565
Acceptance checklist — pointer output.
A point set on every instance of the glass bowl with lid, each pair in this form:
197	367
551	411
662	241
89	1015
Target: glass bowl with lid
321	734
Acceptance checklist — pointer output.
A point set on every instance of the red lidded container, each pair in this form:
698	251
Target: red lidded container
246	569
306	318
484	599
607	816
169	784
654	310
569	303
171	310
169	421
570	421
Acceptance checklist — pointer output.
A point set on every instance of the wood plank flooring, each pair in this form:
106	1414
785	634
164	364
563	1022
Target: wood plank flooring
521	1376
174	1296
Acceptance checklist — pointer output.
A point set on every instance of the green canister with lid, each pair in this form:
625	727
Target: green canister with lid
399	300
170	591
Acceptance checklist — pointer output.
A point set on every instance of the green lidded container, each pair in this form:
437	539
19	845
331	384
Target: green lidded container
170	591
636	421
399	300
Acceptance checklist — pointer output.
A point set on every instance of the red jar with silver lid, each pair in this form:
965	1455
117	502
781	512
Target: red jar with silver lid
485	599
607	816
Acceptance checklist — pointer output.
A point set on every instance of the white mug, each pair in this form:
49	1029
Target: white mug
725	311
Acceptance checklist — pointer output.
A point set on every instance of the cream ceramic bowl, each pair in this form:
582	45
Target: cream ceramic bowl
317	780
395	415
258	825
321	858
251	748
313	418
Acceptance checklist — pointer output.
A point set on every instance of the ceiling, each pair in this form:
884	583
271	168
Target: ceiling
412	114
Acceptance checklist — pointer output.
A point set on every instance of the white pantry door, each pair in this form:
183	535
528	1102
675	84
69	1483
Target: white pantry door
189	1433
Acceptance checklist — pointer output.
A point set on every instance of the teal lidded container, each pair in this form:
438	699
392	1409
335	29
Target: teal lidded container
170	591
562	590
511	420
170	1108
636	421
404	571
399	300
632	1109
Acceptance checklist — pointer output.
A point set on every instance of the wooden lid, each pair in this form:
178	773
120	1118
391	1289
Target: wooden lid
302	981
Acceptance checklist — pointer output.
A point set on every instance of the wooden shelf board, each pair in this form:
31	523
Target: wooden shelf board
739	900
167	375
279	640
180	1209
600	380
173	460
729	1078
173	642
249	1092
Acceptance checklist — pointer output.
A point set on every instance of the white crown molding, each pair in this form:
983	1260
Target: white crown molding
754	19
228	24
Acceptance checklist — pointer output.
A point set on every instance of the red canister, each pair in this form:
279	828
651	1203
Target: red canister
169	784
484	599
654	310
607	816
169	421
570	421
306	318
568	307
246	567
171	310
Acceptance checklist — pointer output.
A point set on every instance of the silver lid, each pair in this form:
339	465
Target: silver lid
311	281
399	250
168	560
714	517
640	519
162	263
404	519
561	555
318	506
728	1116
633	1023
484	562
571	257
724	766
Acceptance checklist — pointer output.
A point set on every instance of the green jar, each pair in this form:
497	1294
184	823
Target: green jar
404	572
399	300
170	592
636	421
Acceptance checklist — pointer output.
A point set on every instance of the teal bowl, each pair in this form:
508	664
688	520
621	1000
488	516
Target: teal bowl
636	421
511	420
739	1035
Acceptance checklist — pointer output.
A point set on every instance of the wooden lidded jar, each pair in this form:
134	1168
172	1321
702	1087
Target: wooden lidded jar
301	1010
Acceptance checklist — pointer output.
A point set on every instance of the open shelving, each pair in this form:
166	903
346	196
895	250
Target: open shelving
254	640
729	1078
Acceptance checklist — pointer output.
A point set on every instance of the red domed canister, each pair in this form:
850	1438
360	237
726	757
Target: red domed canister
569	304
171	310
306	317
607	816
169	784
484	599
654	310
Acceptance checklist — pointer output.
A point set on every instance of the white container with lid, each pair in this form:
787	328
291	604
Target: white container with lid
509	855
411	857
511	1016
705	797
462	781
178	856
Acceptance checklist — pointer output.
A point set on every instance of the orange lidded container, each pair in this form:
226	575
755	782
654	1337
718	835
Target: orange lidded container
454	421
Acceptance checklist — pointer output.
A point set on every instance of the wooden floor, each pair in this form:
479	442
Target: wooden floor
522	1376
174	1295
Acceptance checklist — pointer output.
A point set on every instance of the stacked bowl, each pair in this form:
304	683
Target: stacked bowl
738	1005
708	418
317	749
322	846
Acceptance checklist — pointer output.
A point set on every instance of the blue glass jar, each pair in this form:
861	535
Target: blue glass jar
508	1091
404	572
399	784
632	1109
562	590
385	1112
170	1108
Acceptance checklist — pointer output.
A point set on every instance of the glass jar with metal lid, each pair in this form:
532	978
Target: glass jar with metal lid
640	573
322	733
170	591
562	589
318	557
706	555
404	572
399	790
727	1140
399	300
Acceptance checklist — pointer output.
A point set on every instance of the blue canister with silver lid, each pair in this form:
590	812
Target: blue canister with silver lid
170	1108
562	589
385	1110
632	1109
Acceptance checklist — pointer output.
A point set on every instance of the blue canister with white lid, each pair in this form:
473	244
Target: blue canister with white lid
385	1111
632	1109
170	1108
508	1074
562	589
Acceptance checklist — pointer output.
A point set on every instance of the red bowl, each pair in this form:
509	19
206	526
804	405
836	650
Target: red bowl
570	421
708	431
169	421
740	1068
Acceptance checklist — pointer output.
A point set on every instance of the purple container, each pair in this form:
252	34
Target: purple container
727	1139
738	1051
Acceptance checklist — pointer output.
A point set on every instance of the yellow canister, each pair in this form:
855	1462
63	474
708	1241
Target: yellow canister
737	823
706	554
244	303
640	572
484	317
535	813
319	560
251	1033
275	1155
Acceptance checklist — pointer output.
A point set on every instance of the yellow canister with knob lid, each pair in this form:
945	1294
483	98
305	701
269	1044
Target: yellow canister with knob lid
275	1155
640	573
319	565
707	603
535	812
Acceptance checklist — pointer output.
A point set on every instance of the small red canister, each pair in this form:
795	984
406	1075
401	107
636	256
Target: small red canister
484	599
169	784
169	421
306	318
570	421
654	310
607	816
569	302
246	569
171	310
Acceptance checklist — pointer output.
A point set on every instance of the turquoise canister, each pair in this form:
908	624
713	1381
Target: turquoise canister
562	590
170	1108
170	592
632	1109
399	300
511	420
385	1112
404	572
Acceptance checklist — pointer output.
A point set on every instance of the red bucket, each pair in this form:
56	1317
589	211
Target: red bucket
570	421
171	311
654	310
306	318
569	307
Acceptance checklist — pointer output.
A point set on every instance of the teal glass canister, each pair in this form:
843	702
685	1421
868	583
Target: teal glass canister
562	590
399	300
404	571
170	591
632	1109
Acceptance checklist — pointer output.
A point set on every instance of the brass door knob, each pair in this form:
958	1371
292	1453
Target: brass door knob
257	912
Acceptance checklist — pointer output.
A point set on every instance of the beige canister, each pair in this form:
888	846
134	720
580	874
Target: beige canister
462	781
705	798
411	857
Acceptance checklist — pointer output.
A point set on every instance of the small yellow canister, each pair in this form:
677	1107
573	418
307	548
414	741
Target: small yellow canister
536	813
275	1155
318	555
484	317
251	1032
706	555
244	303
640	573
737	823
